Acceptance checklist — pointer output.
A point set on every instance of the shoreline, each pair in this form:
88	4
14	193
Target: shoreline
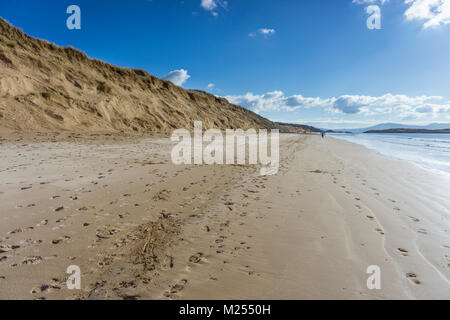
383	154
220	232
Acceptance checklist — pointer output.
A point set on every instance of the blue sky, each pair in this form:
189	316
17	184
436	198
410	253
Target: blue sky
312	62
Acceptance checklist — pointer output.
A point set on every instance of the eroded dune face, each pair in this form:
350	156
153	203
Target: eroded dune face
44	87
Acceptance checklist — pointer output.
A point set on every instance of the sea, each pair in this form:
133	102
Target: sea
430	151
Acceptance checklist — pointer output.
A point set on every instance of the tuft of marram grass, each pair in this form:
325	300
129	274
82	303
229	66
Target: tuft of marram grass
104	88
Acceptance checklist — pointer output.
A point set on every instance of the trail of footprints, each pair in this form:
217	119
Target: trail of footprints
221	244
410	275
6	249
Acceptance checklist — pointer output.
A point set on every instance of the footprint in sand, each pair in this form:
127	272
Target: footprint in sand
414	219
412	277
380	231
370	218
15	231
105	232
196	258
7	248
60	240
32	260
176	288
404	252
128	284
248	270
179	286
162	195
55	284
42	223
422	231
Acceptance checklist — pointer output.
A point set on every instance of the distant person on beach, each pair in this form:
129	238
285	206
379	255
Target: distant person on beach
323	135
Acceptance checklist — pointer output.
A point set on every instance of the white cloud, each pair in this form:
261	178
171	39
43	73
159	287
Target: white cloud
178	77
351	104
263	31
388	104
210	86
266	31
277	101
432	12
209	4
213	5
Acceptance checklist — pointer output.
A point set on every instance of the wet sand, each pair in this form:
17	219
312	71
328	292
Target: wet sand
140	227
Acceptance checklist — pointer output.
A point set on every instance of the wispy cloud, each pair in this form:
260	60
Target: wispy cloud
266	31
263	31
178	77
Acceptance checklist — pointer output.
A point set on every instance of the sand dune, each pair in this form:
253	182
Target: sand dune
44	87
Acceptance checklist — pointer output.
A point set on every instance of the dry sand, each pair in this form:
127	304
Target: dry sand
141	228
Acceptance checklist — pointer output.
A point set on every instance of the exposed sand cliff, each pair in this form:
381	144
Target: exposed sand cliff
44	87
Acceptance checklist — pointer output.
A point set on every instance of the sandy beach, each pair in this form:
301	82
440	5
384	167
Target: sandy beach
140	227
